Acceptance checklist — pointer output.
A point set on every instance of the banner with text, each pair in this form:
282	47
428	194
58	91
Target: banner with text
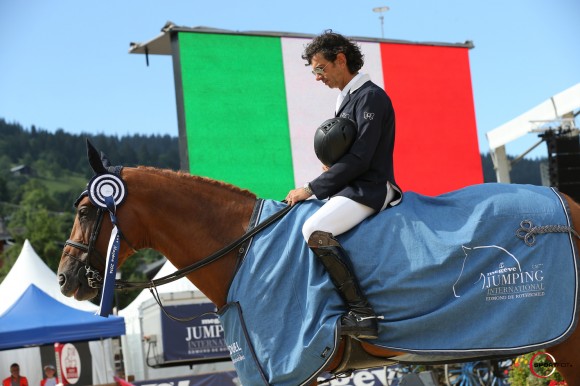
200	338
222	379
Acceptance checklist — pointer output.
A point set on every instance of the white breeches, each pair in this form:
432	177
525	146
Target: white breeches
338	215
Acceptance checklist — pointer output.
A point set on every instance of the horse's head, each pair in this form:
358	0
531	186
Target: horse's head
80	271
183	217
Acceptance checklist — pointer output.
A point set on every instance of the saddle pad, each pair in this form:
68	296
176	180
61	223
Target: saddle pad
448	274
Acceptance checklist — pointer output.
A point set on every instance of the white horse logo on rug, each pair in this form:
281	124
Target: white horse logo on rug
494	266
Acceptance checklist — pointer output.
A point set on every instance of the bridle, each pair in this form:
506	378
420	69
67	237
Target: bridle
94	278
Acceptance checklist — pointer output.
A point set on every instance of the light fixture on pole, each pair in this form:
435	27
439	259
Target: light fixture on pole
380	11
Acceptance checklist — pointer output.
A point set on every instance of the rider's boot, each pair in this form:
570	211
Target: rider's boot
360	321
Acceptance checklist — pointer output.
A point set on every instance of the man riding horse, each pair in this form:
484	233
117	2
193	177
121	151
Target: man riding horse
361	182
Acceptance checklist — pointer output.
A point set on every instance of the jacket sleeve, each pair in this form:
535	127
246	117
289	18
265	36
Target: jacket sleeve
370	115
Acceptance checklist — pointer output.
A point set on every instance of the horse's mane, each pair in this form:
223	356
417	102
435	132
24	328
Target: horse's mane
186	176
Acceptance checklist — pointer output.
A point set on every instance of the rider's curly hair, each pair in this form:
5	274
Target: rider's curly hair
330	44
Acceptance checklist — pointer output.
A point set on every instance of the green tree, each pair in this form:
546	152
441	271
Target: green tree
32	205
35	222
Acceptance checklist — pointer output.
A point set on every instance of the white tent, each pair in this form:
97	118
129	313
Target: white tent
180	285
133	345
29	269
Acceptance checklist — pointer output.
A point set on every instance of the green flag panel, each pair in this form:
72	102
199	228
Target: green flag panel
235	111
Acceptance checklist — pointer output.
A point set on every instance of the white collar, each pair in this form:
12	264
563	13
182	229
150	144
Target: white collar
355	83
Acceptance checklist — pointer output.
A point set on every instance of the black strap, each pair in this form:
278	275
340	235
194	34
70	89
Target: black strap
186	319
206	261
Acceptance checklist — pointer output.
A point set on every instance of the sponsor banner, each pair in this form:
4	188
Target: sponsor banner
222	379
73	362
379	376
68	363
372	377
201	337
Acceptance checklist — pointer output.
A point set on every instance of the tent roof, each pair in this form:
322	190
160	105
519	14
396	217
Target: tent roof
30	269
36	318
179	285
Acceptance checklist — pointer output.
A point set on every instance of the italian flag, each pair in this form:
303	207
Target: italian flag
248	108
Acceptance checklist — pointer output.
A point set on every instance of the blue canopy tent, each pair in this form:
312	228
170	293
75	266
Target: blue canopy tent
36	318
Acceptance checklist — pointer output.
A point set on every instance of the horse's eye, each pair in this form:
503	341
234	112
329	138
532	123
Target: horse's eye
83	213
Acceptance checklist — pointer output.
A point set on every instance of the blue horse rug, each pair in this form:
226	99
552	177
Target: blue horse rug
457	274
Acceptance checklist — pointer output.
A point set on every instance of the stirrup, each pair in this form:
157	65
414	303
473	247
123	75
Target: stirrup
362	318
357	326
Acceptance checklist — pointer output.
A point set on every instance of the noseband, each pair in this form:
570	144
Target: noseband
94	278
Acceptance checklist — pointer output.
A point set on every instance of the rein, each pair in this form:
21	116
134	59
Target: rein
95	279
152	285
106	190
207	260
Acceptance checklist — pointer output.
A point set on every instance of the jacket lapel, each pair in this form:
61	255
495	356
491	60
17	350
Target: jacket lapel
344	103
361	83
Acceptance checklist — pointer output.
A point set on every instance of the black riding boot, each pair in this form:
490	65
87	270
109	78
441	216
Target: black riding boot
360	321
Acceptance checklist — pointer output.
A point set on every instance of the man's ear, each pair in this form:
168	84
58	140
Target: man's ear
340	59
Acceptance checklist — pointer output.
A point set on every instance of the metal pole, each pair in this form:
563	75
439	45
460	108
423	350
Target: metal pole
380	11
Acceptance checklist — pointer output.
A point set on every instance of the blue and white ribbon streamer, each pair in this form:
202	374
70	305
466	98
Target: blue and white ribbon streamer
106	304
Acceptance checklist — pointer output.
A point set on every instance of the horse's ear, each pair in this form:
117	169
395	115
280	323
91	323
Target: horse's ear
94	159
105	161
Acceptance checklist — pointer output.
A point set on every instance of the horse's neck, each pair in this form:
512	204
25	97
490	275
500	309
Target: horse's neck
188	218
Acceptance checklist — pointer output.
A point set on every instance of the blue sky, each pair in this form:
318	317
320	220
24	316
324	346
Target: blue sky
65	64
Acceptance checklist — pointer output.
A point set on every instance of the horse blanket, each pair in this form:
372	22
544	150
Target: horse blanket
448	273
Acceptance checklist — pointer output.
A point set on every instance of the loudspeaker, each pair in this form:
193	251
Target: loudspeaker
564	163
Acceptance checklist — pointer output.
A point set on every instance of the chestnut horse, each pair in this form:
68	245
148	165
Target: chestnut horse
187	218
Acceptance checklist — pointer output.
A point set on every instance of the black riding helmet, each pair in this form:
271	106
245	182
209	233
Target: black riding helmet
333	139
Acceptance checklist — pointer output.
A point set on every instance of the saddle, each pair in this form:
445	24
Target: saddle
355	355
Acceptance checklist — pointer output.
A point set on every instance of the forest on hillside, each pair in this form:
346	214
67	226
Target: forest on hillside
42	173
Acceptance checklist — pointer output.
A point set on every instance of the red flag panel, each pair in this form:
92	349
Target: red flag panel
436	147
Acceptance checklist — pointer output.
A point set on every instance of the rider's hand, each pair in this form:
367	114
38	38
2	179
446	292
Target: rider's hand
296	195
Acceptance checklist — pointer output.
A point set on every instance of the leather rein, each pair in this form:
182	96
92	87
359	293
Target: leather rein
95	279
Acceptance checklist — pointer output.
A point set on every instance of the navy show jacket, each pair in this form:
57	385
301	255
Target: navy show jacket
362	173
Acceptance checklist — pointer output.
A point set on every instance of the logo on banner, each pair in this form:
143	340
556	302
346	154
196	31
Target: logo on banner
206	338
201	337
376	377
221	378
70	363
